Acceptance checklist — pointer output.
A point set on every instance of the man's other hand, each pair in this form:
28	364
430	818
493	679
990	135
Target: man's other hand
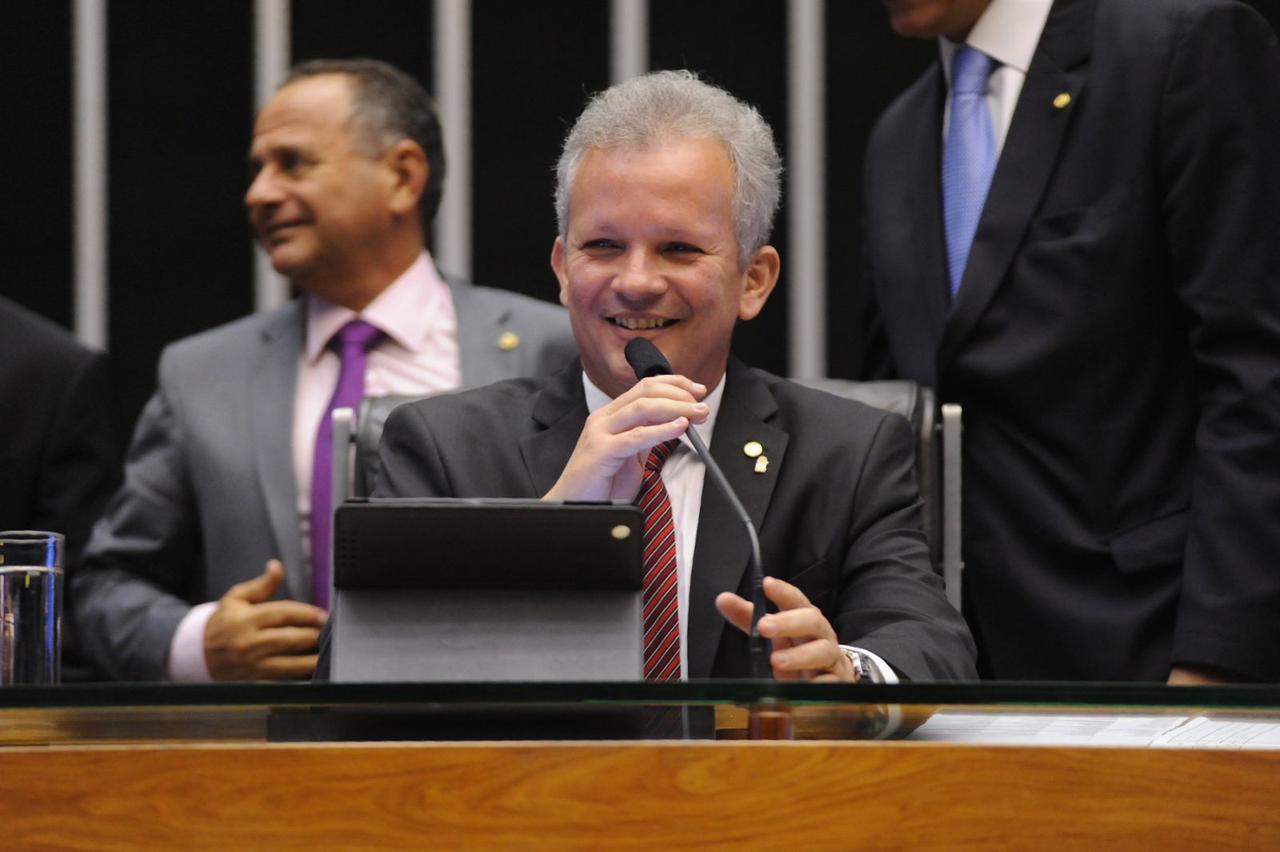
608	461
805	646
251	637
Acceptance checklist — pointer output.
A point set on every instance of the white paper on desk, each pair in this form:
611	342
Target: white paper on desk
1048	729
1208	732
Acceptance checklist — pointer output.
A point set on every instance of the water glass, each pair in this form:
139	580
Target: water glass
31	582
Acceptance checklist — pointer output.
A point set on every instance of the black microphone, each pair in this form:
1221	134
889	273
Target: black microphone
647	360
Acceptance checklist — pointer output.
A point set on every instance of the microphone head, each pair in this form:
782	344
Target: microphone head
646	359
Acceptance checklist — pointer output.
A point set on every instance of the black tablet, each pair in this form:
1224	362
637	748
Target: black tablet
486	544
450	590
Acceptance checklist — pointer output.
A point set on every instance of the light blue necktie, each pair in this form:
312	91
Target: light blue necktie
968	158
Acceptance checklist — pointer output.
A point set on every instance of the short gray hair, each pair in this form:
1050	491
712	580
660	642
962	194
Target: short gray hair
672	105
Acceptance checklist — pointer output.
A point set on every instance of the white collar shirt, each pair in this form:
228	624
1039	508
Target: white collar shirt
1008	32
683	476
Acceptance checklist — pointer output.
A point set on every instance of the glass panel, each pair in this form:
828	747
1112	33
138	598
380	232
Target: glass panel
989	713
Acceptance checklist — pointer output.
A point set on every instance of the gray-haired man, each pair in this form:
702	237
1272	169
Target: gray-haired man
667	189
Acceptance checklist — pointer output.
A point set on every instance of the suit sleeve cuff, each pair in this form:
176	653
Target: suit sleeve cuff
186	650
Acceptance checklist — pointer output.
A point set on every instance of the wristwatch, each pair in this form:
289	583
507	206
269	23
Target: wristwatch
864	669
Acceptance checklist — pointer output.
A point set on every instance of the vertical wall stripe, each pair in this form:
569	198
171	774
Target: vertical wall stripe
452	71
628	39
89	72
806	204
271	49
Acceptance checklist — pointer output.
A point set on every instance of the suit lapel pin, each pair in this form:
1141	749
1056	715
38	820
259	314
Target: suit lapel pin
755	450
1062	101
508	341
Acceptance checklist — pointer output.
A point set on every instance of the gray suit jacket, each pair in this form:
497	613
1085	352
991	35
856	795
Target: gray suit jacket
209	493
838	510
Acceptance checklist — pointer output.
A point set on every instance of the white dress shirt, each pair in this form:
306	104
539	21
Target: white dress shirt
1008	32
418	355
683	476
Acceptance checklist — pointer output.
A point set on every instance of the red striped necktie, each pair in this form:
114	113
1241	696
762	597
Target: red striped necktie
661	582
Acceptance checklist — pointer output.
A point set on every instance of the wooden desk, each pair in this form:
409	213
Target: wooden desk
108	777
680	795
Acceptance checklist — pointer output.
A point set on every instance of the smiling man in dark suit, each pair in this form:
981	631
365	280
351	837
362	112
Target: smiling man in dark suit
667	189
1073	230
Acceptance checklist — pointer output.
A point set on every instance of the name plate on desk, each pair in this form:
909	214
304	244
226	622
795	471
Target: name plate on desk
457	590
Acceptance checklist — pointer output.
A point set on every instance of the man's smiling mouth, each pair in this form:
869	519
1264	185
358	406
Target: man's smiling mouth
641	323
278	230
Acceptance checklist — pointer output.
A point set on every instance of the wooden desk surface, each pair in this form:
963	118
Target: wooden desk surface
654	795
202	768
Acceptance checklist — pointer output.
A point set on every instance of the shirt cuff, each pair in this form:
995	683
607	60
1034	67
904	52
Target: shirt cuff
186	651
886	671
893	721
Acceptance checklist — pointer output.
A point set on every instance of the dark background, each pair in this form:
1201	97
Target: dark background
180	92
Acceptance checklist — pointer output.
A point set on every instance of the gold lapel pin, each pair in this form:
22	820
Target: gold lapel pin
1062	101
762	464
752	449
508	340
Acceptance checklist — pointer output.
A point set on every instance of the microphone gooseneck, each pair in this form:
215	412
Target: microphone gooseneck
647	360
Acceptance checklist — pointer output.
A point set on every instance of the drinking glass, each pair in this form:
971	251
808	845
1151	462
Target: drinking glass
31	583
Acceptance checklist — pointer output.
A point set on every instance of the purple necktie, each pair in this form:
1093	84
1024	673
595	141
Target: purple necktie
353	340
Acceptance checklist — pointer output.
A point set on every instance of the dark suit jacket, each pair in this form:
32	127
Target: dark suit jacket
1115	342
209	493
59	460
838	511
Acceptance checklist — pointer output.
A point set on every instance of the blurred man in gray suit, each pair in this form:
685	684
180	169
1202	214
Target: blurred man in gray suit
203	567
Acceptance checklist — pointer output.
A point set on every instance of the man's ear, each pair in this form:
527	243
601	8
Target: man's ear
557	265
409	170
762	277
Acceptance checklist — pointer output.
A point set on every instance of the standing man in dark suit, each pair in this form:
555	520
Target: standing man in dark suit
215	518
666	193
59	460
1073	230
